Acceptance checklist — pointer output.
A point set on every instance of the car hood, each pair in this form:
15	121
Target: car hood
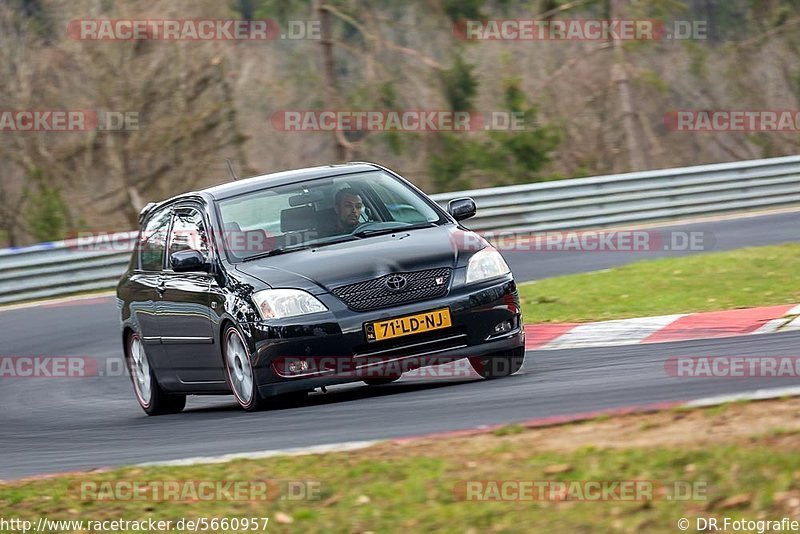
319	270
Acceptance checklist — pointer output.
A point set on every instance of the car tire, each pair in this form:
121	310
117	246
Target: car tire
151	397
239	371
499	365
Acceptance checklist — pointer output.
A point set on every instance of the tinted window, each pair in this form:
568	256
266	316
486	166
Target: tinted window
188	232
152	241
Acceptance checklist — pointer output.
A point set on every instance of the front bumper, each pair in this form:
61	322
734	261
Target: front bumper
334	348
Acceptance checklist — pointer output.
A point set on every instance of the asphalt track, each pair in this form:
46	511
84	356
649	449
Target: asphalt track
61	424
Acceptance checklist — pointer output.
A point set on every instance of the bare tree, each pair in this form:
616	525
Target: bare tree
344	149
636	154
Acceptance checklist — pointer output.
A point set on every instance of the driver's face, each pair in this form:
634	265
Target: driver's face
349	211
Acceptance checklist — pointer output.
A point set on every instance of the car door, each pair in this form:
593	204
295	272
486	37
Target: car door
145	280
184	305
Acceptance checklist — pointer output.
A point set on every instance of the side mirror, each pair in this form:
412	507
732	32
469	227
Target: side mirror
462	208
188	261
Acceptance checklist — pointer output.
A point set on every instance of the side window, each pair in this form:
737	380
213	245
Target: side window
188	232
152	241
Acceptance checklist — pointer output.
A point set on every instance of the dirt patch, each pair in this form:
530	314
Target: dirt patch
734	423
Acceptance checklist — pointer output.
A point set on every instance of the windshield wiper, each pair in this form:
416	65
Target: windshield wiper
275	252
332	240
310	244
378	231
338	239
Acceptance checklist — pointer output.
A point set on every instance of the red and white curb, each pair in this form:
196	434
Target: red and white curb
662	329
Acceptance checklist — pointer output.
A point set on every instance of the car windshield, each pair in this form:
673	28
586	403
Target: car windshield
321	212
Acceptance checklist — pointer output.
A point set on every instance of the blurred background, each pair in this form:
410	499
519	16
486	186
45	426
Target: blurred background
590	107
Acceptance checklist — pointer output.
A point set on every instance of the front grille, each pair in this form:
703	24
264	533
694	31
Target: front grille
374	294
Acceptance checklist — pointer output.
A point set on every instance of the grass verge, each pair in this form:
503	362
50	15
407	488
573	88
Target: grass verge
747	467
744	278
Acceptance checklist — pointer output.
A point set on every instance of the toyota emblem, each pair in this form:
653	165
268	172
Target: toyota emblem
396	282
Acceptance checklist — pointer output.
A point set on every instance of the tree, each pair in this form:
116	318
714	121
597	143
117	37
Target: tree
47	212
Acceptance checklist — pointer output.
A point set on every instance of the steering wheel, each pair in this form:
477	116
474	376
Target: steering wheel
362	226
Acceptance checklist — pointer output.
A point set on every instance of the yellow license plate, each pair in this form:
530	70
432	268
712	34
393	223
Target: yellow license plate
408	325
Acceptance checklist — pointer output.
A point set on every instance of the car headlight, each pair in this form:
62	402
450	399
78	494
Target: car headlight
485	264
278	303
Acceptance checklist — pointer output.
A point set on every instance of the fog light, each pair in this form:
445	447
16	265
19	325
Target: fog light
298	366
503	327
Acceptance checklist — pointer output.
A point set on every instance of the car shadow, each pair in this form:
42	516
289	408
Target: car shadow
351	392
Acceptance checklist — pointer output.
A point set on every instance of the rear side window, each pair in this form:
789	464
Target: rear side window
153	241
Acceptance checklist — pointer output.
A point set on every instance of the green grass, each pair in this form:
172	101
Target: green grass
388	489
742	278
98	292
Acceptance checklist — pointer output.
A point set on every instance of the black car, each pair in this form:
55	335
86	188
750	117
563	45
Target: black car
280	284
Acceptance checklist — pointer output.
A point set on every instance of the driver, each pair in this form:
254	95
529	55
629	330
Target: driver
348	206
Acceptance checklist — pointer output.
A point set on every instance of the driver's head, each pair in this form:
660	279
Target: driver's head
348	206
